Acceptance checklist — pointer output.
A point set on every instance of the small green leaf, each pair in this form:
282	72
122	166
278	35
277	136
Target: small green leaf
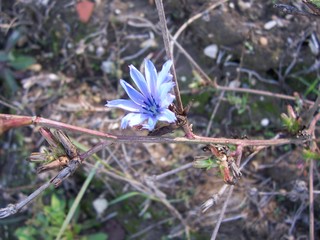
312	87
308	155
316	2
55	202
206	163
25	233
13	39
3	56
22	62
291	124
10	82
96	236
124	197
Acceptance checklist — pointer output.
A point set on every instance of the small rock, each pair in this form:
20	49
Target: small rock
100	51
244	5
269	25
264	122
117	11
100	204
107	66
234	84
35	67
263	41
211	51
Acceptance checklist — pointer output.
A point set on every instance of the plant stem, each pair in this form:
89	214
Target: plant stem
165	36
39	121
311	201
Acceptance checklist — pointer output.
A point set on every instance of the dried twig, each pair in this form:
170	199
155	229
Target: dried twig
171	172
165	35
313	148
225	204
10	121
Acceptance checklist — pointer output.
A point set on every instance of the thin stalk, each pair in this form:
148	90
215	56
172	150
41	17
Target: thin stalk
38	121
311	201
77	200
165	36
217	227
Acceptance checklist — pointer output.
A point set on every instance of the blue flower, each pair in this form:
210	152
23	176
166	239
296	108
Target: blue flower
150	103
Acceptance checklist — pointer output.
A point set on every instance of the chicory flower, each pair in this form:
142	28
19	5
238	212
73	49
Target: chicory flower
150	102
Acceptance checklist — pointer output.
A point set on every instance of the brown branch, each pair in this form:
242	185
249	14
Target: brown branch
39	121
165	36
313	148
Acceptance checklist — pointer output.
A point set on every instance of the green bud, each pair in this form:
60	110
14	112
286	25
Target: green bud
291	124
308	155
316	2
206	163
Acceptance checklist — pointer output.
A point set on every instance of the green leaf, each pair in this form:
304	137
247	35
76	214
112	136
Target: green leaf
316	2
312	87
96	236
202	162
308	154
21	62
124	197
3	56
291	124
13	39
10	82
25	233
57	203
76	203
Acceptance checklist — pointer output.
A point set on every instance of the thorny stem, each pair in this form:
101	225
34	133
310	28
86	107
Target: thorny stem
238	153
64	173
313	125
14	208
216	229
313	148
39	121
174	171
165	35
258	92
311	201
94	150
311	111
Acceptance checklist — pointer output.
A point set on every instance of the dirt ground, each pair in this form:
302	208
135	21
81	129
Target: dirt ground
75	68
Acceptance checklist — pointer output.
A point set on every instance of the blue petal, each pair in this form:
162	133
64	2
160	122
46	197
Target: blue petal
164	74
124	104
165	89
168	78
167	116
151	76
133	119
135	96
151	123
167	101
139	80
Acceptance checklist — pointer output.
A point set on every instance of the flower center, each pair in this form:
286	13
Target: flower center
152	106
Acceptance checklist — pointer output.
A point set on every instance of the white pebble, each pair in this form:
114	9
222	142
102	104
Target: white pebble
269	25
100	205
211	51
264	122
107	66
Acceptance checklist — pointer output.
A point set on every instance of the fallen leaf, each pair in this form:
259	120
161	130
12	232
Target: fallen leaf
84	10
